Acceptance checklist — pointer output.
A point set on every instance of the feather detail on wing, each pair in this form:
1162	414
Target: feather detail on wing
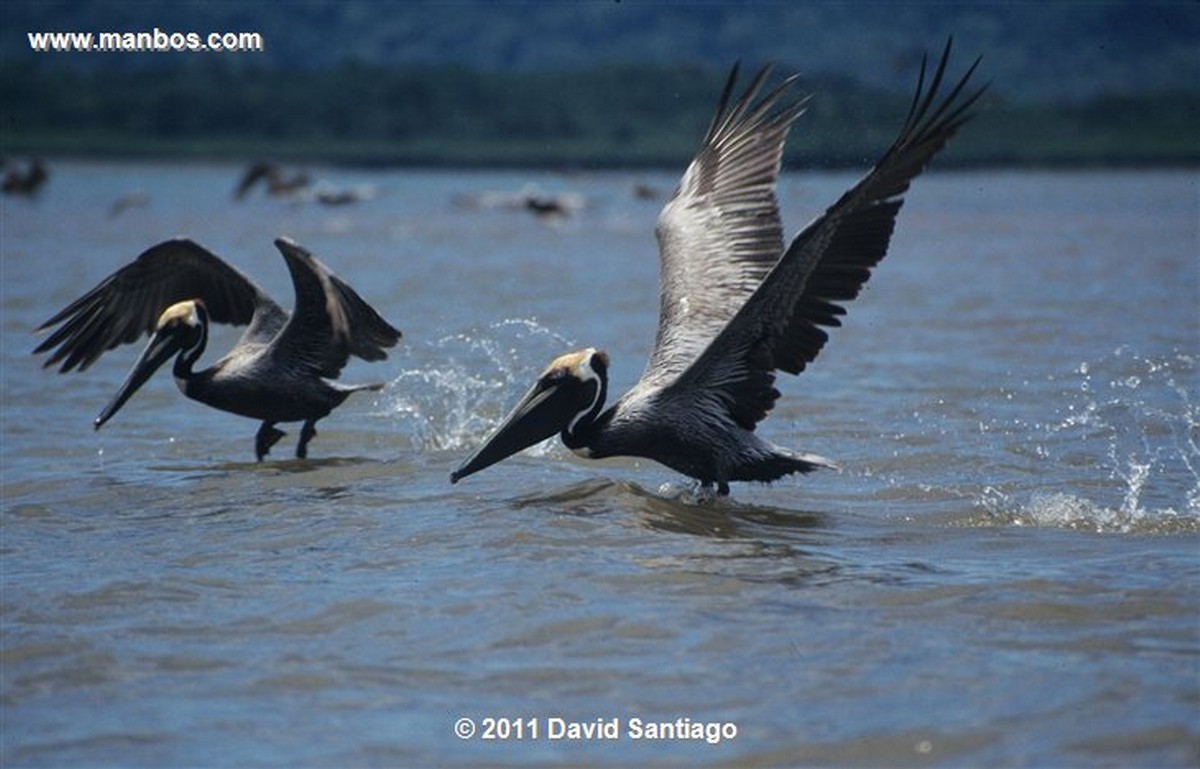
328	309
126	305
780	326
720	233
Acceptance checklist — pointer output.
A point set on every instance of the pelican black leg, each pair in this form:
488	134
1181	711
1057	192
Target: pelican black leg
722	488
307	433
267	437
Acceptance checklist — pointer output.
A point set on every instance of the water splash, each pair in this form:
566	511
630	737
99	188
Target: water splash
693	493
1129	440
463	382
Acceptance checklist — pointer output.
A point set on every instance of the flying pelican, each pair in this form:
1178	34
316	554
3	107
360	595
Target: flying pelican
734	305
278	184
281	370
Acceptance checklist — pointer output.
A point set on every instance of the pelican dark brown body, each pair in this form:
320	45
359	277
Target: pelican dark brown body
281	370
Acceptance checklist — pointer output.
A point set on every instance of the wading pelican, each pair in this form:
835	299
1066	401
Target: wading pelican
281	370
734	305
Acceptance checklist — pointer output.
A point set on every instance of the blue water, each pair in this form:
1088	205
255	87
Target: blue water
1006	571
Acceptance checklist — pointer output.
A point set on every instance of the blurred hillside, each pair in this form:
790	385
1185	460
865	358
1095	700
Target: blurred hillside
596	82
1054	51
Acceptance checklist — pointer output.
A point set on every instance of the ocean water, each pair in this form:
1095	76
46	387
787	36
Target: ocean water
1005	571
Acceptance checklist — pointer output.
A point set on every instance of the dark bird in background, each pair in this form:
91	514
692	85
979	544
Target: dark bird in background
550	205
645	191
27	182
281	370
278	183
330	195
127	201
298	186
530	198
735	305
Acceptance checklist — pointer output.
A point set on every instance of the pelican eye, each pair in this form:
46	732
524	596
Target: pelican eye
555	377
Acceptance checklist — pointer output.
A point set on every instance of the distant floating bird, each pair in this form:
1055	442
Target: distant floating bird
281	370
337	197
529	198
26	182
734	305
552	205
645	191
329	195
278	183
127	201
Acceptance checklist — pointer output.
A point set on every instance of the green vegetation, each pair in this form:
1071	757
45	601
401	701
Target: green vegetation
479	82
601	116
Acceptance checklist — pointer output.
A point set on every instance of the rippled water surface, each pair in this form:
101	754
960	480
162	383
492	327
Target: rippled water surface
1006	571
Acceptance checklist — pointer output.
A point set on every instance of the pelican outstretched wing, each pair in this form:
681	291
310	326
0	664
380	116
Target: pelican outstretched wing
330	321
780	326
126	305
257	170
720	233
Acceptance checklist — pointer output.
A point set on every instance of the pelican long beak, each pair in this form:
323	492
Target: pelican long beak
163	345
545	410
